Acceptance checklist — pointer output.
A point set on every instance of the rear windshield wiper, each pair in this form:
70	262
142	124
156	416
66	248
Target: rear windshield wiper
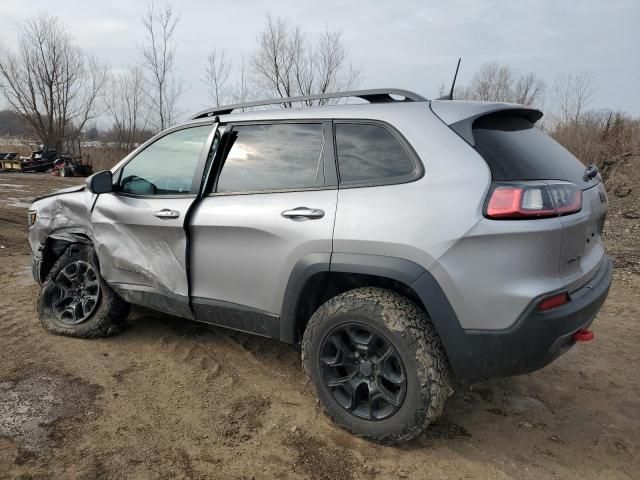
590	172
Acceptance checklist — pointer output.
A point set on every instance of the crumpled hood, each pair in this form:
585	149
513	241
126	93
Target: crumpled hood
76	188
65	211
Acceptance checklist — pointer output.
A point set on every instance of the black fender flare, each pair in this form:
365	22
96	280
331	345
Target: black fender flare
409	273
308	266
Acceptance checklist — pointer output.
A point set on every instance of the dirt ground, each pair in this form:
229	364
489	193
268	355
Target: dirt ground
174	399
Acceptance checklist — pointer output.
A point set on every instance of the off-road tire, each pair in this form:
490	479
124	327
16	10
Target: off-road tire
110	313
408	328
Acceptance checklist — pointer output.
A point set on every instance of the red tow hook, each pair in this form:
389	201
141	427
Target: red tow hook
583	336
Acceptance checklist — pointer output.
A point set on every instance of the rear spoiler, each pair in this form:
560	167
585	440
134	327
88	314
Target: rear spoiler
460	115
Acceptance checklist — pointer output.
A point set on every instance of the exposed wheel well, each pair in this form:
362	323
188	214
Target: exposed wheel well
53	250
325	285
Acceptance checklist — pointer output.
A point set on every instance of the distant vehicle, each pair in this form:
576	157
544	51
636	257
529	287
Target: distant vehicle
38	161
66	166
401	243
43	160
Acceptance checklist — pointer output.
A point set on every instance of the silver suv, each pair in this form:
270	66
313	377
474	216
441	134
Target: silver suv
400	242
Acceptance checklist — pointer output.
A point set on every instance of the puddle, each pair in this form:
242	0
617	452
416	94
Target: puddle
29	406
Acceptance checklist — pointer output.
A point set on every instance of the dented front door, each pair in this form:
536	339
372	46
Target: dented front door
139	228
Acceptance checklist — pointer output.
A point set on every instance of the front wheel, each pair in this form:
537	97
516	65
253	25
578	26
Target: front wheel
75	301
376	364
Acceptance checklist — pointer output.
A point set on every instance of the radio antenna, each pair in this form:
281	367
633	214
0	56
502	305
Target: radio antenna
453	84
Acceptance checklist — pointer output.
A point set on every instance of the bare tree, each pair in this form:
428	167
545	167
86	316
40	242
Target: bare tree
126	103
499	83
217	72
240	91
274	59
158	55
493	82
573	93
50	82
287	64
528	89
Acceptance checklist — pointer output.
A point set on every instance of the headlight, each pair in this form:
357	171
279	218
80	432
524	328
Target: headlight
32	217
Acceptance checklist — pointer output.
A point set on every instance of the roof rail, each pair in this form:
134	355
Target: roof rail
378	95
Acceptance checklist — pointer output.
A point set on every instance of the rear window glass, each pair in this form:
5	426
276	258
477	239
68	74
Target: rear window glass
515	149
371	154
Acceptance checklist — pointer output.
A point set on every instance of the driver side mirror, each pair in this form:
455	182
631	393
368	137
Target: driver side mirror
101	182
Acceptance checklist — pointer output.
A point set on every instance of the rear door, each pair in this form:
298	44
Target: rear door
272	202
139	228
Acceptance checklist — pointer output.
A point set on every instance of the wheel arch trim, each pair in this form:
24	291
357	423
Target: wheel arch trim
412	275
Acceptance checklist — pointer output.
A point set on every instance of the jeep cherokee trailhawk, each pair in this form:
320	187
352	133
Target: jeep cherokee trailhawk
400	242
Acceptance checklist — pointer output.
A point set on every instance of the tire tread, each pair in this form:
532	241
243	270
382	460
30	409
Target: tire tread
405	318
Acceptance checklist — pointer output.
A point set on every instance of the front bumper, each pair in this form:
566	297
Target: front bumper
537	338
36	268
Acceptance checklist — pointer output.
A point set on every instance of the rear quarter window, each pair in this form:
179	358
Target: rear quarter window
515	149
370	154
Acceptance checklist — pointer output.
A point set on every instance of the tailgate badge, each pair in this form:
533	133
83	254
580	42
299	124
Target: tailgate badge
603	196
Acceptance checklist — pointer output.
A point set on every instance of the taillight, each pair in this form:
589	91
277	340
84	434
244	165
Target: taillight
535	200
567	197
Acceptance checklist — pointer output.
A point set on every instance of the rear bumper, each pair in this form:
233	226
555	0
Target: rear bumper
537	338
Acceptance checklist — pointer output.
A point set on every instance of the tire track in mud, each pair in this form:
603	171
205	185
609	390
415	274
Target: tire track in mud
225	365
195	356
321	461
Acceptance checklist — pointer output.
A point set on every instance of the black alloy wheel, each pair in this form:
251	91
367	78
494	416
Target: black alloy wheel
75	293
363	371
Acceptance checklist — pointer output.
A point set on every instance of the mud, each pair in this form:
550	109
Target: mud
31	405
171	399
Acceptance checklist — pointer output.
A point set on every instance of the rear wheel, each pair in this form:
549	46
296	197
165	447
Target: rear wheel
376	364
75	300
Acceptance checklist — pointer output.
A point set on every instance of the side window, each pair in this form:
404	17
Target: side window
371	154
273	157
167	166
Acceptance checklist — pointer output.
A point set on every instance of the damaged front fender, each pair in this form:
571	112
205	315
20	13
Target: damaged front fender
141	255
61	219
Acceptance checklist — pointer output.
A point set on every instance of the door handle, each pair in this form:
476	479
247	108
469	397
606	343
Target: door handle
166	213
301	213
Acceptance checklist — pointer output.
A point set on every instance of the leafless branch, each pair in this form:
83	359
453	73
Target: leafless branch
217	72
50	82
286	63
158	55
499	83
126	103
573	93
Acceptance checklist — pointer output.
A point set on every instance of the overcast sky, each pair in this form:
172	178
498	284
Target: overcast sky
400	43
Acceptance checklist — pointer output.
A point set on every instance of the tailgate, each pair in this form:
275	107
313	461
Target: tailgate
582	245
